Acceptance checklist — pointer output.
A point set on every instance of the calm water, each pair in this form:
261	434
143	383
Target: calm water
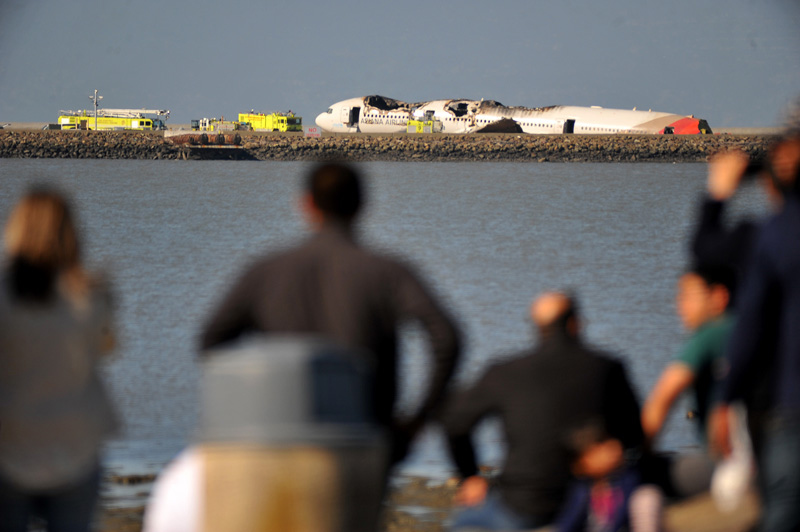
489	237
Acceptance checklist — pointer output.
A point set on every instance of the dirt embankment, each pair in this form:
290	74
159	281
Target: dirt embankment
399	147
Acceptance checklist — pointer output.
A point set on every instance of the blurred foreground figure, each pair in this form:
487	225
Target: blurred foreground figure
285	443
720	245
328	291
55	325
770	306
543	398
331	286
702	303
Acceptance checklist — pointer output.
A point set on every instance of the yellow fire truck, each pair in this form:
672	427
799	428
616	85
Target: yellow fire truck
110	119
428	124
272	121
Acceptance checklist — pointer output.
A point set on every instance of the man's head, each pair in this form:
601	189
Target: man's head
779	169
703	295
784	163
554	312
333	193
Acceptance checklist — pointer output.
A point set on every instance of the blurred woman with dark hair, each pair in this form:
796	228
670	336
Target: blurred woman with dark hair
55	325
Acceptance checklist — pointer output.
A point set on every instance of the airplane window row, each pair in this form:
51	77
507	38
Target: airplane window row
601	129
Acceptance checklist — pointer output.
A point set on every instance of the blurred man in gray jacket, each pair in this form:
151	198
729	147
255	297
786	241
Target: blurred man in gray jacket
332	286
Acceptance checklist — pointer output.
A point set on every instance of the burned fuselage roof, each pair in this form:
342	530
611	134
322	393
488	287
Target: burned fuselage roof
382	103
461	107
497	108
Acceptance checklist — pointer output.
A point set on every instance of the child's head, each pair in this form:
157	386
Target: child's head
703	295
596	454
599	459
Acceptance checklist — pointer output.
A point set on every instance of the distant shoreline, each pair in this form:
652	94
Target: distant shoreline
489	147
38	126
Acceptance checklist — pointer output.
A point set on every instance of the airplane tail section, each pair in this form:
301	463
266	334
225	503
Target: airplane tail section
688	126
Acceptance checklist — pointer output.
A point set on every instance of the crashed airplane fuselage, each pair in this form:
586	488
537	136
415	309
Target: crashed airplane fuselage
378	114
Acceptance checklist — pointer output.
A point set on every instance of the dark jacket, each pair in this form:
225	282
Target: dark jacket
542	398
770	306
331	286
715	244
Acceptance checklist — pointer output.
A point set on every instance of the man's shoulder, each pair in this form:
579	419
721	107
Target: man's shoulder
549	371
507	368
270	259
575	355
604	359
579	352
357	259
512	361
384	263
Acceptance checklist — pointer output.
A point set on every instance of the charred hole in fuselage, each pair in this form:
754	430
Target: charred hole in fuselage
383	103
458	108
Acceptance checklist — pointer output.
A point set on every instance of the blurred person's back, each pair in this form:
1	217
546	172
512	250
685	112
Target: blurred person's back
542	396
331	289
768	311
55	325
332	286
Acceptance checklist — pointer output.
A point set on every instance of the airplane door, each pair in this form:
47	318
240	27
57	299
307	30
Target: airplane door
355	112
345	118
569	126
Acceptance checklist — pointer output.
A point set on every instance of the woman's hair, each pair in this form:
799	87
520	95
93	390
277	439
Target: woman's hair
41	242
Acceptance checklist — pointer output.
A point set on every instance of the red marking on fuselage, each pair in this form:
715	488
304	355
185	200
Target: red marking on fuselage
685	126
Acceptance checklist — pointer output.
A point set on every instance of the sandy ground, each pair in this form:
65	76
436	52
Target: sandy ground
420	505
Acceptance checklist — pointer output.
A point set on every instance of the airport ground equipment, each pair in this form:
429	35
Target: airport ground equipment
272	121
218	124
426	124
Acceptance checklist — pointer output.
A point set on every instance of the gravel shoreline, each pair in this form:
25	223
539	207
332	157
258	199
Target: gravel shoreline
418	504
398	147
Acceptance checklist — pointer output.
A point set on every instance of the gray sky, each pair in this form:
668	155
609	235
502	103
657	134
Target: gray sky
734	62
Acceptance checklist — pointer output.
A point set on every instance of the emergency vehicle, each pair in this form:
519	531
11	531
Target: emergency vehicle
272	121
427	124
216	124
114	119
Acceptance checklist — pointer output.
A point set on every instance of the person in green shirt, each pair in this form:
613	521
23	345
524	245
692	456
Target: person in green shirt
702	304
702	301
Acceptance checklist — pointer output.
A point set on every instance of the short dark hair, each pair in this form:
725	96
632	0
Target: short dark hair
570	313
335	189
716	274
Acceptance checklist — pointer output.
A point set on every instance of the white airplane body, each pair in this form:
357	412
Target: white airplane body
378	114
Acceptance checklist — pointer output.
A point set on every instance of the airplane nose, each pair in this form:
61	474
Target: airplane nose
323	121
